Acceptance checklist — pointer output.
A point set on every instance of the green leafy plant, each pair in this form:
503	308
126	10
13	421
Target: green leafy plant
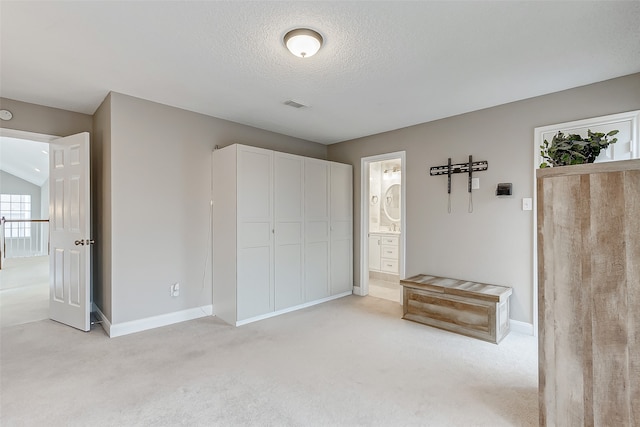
573	149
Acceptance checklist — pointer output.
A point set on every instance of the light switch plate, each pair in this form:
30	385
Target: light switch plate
475	183
527	204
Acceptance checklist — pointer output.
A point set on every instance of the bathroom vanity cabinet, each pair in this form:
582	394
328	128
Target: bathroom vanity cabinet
384	252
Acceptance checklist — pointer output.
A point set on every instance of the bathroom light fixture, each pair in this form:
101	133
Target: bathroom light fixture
303	42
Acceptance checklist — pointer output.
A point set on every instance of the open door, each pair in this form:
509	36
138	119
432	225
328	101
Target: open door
69	225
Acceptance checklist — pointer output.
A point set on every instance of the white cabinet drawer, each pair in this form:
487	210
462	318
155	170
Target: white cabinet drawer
390	240
389	252
390	265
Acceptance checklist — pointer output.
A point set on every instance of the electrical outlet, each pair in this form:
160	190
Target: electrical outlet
174	290
527	204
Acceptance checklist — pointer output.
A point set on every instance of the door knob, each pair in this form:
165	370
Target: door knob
79	242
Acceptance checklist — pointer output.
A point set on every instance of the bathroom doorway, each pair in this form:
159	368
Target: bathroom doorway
383	226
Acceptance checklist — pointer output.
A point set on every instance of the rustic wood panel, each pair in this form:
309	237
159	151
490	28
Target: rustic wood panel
474	309
609	300
589	295
459	313
465	288
632	249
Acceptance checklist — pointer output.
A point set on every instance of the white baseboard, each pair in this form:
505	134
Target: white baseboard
290	309
521	327
106	325
357	290
125	328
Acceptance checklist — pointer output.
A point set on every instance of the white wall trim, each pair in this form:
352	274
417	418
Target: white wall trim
290	309
357	290
125	328
521	327
22	134
106	325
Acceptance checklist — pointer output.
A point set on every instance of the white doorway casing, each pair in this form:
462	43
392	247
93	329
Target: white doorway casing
363	289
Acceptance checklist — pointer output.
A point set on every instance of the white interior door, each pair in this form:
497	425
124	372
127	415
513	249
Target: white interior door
69	224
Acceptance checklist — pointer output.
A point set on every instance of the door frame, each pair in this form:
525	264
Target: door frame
365	162
31	136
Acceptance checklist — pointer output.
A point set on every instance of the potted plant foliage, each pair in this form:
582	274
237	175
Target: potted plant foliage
573	149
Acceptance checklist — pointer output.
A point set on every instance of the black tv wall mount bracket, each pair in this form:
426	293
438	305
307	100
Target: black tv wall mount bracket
468	168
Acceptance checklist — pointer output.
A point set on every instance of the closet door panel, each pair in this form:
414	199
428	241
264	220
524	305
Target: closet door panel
254	184
341	192
289	203
341	266
289	225
316	185
254	284
317	231
317	225
288	282
255	232
317	270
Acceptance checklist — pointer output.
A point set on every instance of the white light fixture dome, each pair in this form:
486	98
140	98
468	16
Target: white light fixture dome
303	42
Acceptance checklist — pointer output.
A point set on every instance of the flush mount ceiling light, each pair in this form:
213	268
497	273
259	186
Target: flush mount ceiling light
303	42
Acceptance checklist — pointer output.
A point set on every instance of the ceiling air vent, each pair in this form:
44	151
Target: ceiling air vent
294	104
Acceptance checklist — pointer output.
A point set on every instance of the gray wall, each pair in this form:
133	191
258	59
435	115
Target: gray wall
101	206
151	188
39	119
11	184
152	175
155	186
494	243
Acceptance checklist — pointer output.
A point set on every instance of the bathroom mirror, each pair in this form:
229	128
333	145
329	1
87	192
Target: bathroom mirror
391	202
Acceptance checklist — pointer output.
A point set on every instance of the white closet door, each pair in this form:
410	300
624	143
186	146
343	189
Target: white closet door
341	228
255	232
289	229
316	206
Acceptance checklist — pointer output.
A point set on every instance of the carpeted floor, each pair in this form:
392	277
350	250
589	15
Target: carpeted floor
386	290
24	290
348	362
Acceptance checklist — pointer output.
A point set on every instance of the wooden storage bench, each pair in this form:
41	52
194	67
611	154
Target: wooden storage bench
473	309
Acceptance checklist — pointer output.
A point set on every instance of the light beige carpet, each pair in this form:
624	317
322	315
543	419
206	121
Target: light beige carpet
24	290
391	291
348	362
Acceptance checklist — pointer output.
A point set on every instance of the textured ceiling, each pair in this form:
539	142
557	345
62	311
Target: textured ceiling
384	65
